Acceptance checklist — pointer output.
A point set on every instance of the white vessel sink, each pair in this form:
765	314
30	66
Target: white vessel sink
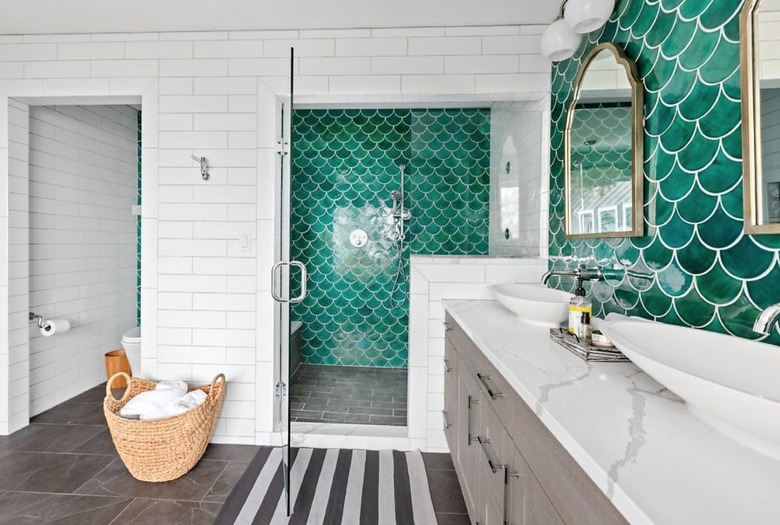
533	303
730	383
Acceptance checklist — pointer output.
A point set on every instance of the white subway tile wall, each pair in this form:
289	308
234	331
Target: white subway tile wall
434	279
18	350
205	304
83	181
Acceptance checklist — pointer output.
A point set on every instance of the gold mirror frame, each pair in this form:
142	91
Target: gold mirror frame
637	144
751	122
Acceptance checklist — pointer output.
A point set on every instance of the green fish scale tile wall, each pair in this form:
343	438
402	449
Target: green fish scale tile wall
345	164
695	266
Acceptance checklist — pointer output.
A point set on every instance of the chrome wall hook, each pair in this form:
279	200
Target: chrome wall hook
204	169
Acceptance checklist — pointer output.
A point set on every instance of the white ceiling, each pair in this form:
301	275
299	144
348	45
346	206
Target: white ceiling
108	16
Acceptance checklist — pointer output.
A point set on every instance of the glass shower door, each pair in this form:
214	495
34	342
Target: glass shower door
280	290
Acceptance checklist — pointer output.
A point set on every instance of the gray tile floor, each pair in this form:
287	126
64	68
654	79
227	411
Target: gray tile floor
345	394
64	469
447	497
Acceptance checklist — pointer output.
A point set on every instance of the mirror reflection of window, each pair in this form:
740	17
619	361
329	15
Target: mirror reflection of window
628	217
770	149
607	219
586	222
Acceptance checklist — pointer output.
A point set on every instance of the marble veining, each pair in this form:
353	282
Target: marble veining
638	437
654	460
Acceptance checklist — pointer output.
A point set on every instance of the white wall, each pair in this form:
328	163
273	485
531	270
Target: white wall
519	199
206	306
83	182
434	279
17	409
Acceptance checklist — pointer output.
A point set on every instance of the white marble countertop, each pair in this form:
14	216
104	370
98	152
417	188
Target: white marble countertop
653	459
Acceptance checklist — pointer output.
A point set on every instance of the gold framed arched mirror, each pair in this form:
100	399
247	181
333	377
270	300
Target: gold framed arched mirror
760	68
604	143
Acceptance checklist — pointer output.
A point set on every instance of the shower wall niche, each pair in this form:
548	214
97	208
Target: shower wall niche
345	165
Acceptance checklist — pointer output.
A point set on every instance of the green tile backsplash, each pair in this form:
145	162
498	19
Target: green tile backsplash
345	164
694	266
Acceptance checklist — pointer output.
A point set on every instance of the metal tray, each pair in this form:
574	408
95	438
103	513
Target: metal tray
585	351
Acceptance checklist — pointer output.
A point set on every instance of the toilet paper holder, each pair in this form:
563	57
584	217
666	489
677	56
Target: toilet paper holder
38	318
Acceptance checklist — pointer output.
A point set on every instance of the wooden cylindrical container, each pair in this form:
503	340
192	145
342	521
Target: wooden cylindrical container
116	361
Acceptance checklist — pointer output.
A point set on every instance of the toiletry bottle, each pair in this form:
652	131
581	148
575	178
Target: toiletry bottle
578	304
583	329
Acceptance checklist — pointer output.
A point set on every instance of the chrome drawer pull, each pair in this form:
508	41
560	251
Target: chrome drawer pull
469	437
508	474
447	367
492	393
447	327
495	467
446	423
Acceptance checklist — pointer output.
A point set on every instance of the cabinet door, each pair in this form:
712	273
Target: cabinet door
527	503
468	448
495	455
451	398
491	508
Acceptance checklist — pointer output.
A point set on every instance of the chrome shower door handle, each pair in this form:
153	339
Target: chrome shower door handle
279	265
304	276
274	268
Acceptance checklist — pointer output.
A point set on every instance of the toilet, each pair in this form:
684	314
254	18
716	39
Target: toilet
131	342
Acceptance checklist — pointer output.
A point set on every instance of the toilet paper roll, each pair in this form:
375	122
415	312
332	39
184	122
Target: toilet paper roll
55	326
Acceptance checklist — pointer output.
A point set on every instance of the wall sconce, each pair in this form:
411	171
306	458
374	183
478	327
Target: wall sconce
577	17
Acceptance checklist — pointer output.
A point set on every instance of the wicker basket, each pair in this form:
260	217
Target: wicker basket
162	449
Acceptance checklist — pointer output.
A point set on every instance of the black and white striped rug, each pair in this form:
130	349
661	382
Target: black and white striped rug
332	487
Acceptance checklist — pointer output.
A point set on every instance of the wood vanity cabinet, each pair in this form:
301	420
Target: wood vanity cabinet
511	468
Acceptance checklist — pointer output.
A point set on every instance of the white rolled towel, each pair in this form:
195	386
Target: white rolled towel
142	407
154	404
187	402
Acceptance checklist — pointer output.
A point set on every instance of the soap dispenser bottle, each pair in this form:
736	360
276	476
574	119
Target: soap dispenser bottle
578	305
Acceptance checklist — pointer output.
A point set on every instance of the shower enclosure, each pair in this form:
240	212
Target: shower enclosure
370	188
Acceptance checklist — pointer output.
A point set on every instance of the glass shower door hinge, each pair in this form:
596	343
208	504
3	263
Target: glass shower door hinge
282	151
280	390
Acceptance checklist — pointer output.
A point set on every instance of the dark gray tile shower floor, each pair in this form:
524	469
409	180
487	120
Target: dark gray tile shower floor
64	469
346	394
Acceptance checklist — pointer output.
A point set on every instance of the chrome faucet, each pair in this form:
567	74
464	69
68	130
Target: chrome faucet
582	273
767	319
563	273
